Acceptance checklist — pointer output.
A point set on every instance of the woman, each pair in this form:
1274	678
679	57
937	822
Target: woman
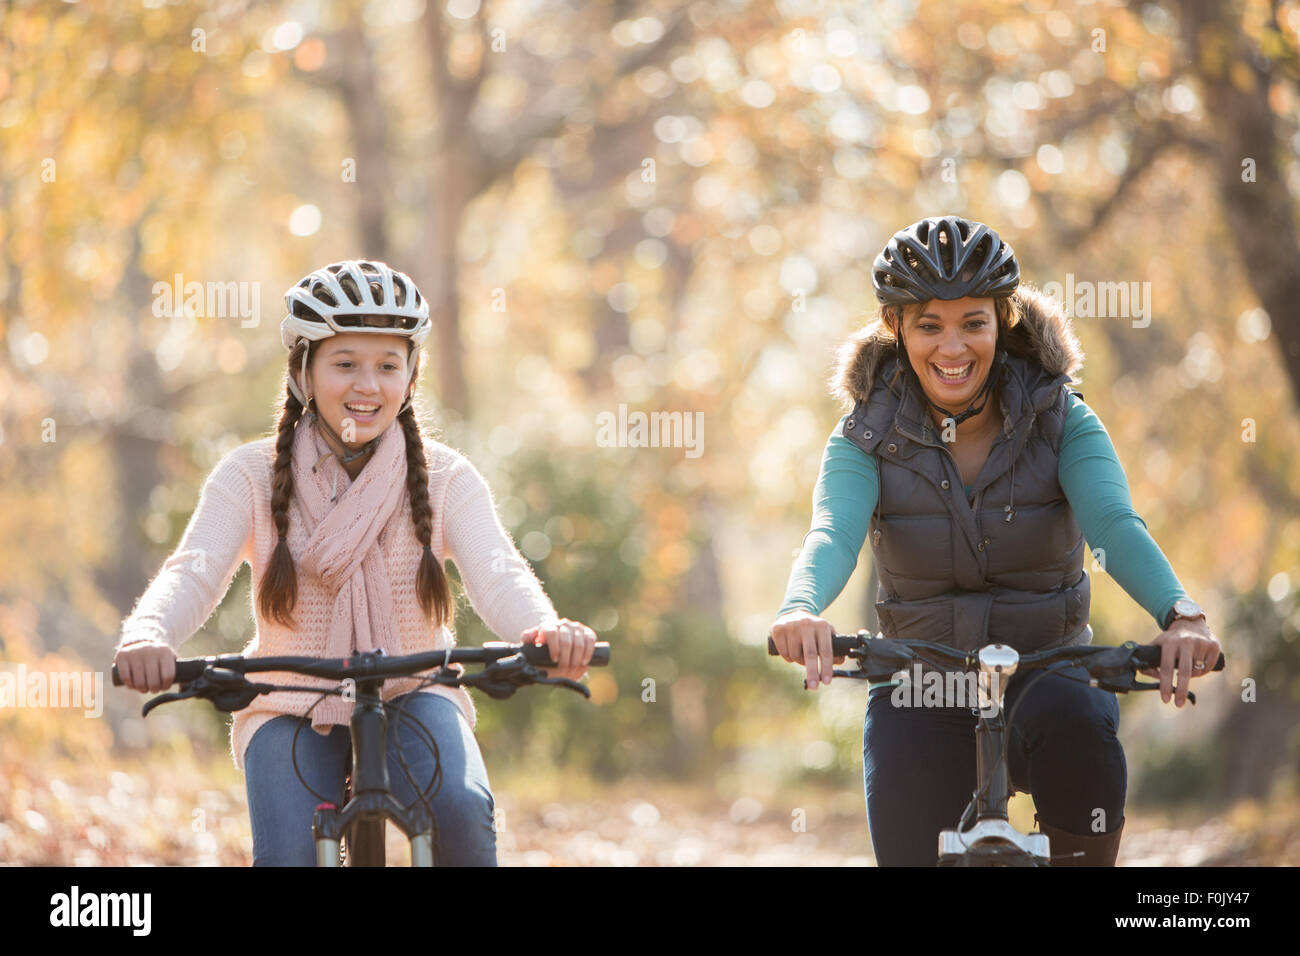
972	514
346	516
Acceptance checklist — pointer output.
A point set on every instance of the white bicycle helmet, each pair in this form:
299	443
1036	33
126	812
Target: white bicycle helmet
343	296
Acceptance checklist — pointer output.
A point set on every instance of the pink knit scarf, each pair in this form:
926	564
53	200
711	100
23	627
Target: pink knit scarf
342	548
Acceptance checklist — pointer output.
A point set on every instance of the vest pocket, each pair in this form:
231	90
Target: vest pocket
1032	551
913	550
926	620
1031	622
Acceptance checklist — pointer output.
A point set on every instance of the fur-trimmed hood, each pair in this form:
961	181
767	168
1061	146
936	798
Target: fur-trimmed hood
1044	336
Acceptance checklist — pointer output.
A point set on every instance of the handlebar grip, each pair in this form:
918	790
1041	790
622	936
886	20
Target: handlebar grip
1148	655
840	645
189	670
539	655
185	671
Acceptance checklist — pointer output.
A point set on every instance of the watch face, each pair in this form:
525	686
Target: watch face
1185	608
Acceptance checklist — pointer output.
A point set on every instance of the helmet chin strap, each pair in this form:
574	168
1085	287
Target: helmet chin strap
981	396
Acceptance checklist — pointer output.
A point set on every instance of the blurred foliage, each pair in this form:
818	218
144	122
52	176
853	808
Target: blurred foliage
1176	776
1267	621
677	688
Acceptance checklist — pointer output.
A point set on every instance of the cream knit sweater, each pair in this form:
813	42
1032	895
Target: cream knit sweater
232	524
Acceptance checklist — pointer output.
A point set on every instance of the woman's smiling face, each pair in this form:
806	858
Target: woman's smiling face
359	383
951	344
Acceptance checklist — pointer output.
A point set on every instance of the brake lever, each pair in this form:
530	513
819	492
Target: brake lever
501	678
859	674
1134	685
564	682
227	690
153	702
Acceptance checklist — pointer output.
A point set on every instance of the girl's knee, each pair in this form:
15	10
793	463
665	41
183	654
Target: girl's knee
286	856
467	804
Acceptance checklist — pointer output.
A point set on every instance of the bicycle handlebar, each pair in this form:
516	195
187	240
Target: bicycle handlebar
893	651
188	669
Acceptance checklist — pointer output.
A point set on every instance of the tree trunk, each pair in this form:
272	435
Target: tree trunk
135	441
1258	212
366	119
450	195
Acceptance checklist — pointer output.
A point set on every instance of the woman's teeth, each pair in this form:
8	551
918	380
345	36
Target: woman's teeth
363	410
954	374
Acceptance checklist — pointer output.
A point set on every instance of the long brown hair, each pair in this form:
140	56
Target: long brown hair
279	589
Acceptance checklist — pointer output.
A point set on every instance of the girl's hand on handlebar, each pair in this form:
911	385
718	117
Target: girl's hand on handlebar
146	666
803	638
572	644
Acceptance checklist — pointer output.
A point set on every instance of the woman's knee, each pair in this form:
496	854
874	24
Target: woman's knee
1084	720
1066	712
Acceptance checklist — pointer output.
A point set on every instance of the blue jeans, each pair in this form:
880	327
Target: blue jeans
919	763
281	808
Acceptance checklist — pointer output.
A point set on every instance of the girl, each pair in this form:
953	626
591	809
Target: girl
973	530
346	516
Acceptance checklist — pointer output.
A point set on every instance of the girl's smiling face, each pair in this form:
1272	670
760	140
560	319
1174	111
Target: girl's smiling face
359	383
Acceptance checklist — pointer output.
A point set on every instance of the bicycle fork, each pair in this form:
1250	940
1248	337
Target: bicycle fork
371	802
992	837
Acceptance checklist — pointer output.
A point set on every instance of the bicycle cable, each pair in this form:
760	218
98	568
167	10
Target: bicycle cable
427	795
304	720
1003	754
424	796
1057	668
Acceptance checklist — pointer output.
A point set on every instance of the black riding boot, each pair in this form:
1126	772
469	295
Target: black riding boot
1070	849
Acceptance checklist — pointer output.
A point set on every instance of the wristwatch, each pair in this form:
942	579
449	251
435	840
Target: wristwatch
1184	609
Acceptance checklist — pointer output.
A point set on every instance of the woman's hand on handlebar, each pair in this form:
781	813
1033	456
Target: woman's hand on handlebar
1189	649
803	638
146	666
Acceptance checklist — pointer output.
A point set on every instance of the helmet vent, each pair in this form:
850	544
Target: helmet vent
947	250
324	294
304	311
350	289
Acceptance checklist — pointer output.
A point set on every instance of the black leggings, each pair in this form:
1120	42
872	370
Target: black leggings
919	763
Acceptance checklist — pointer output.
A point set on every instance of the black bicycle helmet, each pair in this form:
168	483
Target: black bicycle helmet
944	257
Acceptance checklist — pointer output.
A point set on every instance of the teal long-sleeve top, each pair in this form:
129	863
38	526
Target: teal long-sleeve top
1090	475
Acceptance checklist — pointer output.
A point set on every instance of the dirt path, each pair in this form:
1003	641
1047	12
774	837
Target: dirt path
172	816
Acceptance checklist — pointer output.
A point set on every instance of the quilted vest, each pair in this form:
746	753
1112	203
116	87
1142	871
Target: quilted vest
1005	565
